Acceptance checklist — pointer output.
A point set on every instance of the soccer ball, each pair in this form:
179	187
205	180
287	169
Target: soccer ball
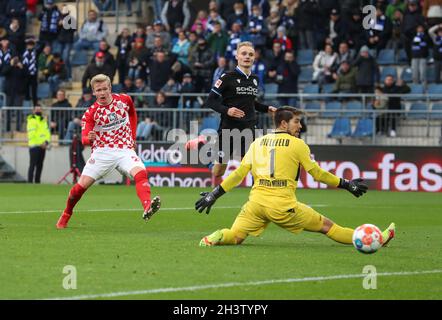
367	238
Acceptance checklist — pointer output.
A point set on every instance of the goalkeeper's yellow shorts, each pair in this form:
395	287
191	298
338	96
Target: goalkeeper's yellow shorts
254	218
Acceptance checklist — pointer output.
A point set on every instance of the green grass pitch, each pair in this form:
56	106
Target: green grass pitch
117	255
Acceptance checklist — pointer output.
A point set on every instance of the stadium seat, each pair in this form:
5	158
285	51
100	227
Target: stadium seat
415	89
305	57
117	88
418	110
388	71
341	128
402	58
306	74
354	109
327	88
431	74
270	89
211	122
436	111
312	106
79	58
386	57
364	128
311	89
406	75
43	90
435	89
333	109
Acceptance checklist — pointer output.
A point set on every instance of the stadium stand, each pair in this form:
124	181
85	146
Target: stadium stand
121	58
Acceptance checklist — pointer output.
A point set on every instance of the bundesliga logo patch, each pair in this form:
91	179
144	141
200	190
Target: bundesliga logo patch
218	83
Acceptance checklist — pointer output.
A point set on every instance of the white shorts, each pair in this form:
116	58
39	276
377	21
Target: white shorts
104	160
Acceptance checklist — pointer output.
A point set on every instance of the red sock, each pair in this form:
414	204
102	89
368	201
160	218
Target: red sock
143	188
74	196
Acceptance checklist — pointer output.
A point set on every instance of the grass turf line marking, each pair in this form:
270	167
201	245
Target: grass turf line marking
127	209
104	210
237	284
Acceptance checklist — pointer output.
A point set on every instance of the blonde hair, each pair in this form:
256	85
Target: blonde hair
244	44
100	78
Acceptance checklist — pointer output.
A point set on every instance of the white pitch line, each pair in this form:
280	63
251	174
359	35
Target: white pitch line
238	284
112	210
130	209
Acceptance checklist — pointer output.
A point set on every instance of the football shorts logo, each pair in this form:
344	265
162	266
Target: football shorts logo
218	83
239	80
91	161
255	82
136	159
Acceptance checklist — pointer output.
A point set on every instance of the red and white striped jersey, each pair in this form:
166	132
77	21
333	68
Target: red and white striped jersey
115	124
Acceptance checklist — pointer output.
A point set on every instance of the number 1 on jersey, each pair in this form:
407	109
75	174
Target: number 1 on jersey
272	163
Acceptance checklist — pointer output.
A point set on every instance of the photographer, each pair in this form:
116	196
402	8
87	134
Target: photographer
73	133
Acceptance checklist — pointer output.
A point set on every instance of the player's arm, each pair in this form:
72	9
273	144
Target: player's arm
87	126
261	107
209	198
214	102
133	119
356	187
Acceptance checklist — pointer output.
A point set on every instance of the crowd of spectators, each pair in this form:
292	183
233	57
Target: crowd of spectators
186	51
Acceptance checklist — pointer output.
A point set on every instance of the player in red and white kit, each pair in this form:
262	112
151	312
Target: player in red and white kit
109	126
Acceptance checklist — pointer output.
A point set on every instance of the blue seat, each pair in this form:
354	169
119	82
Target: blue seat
305	57
333	109
386	57
415	89
388	71
436	111
306	74
269	90
435	89
354	109
79	58
211	122
117	88
312	106
43	90
312	89
327	87
402	58
364	128
341	128
418	110
406	75
431	74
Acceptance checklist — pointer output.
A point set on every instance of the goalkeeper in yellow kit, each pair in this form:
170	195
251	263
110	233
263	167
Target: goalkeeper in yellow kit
275	160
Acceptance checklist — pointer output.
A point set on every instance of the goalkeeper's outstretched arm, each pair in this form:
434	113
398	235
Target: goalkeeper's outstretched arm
355	187
209	198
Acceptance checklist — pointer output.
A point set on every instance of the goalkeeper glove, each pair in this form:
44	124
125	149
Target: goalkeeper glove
356	187
208	199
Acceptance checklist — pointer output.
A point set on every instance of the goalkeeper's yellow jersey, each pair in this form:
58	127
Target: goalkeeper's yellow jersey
275	162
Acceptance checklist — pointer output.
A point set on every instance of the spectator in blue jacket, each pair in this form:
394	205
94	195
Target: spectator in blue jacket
49	27
419	55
